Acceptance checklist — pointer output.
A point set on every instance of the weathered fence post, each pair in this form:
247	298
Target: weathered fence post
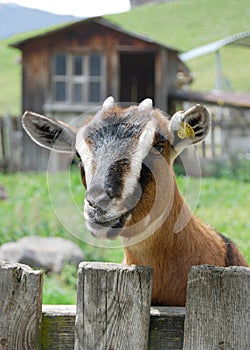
218	309
113	307
20	307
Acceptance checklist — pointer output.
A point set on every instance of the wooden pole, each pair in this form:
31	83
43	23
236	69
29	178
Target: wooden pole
113	307
218	309
20	306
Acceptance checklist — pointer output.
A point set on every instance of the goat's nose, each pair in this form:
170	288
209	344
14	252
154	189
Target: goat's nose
97	197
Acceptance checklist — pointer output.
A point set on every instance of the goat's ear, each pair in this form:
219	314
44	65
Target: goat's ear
49	133
189	127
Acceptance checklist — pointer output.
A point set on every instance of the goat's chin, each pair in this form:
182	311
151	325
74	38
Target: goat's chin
107	230
102	232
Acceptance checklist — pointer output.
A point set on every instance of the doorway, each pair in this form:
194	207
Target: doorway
137	76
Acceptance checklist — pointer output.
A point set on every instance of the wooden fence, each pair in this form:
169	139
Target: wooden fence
11	143
229	134
113	311
226	144
19	153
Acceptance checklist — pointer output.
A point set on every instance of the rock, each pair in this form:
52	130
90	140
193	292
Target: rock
49	253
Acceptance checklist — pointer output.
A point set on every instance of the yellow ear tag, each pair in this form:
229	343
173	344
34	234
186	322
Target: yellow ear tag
186	132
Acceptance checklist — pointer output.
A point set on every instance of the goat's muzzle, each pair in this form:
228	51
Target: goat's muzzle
103	223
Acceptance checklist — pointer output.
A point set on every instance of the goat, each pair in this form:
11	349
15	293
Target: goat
126	160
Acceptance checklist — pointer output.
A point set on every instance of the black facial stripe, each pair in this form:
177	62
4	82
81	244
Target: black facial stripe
108	132
159	138
114	177
229	259
146	176
82	172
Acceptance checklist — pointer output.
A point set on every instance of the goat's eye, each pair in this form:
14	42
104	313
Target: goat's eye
157	149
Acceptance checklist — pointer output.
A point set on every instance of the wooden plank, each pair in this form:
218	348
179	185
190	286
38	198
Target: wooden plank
218	309
166	327
58	327
20	306
219	98
14	134
113	306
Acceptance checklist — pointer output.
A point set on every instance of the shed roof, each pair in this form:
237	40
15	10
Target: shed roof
240	39
219	98
98	20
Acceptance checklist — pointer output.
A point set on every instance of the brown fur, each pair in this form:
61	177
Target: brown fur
172	254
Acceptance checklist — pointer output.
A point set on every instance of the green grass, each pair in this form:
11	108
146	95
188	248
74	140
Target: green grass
28	211
183	24
10	79
223	203
186	24
61	289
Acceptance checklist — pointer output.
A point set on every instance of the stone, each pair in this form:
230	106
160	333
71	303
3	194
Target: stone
49	253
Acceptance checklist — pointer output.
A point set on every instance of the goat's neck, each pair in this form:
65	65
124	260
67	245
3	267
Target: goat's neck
164	238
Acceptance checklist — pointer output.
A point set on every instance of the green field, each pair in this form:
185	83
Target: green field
183	24
186	24
223	203
10	79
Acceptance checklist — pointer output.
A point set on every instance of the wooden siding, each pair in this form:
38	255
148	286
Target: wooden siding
86	37
82	38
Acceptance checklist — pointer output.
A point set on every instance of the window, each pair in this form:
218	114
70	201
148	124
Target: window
78	79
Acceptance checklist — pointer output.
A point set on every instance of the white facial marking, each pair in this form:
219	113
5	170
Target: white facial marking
143	147
86	155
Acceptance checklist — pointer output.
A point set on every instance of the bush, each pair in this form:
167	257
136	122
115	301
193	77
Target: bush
236	167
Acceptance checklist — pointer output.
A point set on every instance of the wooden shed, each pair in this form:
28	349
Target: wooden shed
71	69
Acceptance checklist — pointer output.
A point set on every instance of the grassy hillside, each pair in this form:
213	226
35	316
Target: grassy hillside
10	79
184	24
11	72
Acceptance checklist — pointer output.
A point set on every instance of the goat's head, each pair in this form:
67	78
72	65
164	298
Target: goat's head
126	158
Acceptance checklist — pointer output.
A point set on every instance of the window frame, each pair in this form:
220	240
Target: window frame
84	80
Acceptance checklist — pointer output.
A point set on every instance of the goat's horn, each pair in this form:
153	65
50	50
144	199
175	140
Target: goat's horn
108	102
147	103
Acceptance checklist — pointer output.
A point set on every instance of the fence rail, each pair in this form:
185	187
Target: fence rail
229	134
113	311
